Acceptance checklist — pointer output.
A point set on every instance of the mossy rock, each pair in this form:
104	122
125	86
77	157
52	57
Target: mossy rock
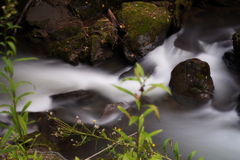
146	26
236	43
99	45
67	32
191	79
67	49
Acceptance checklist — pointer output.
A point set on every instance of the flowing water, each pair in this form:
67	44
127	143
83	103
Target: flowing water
213	130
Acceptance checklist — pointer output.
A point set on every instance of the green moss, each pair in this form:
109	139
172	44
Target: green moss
141	18
67	49
67	32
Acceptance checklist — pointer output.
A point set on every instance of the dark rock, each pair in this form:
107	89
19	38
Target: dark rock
146	26
236	42
232	61
191	82
79	95
49	18
238	106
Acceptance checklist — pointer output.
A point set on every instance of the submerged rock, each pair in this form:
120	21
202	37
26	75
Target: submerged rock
191	81
146	26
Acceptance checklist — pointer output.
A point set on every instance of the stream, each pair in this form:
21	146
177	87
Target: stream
213	130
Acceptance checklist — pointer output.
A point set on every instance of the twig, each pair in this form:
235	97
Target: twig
108	147
113	19
21	16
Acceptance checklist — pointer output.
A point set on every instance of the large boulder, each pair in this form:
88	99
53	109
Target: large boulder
146	26
49	18
191	82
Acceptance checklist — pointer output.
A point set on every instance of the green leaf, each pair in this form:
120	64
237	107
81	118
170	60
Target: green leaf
123	135
25	107
7	150
155	110
137	75
140	141
148	111
132	120
129	79
9	67
124	90
11	38
160	85
165	145
24	94
23	124
2	44
140	123
7	134
156	157
12	46
5	89
3	125
25	117
25	59
76	158
147	137
176	151
191	155
149	89
4	75
12	87
155	132
123	110
201	158
6	112
104	134
26	82
140	69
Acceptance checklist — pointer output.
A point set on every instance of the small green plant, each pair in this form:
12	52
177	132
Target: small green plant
18	130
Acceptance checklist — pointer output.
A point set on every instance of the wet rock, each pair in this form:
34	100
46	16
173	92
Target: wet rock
79	95
191	82
236	42
146	26
232	59
238	106
49	18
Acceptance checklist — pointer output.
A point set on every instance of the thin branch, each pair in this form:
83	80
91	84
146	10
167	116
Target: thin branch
21	16
109	147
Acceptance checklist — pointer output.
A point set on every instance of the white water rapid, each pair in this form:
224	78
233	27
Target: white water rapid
213	133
